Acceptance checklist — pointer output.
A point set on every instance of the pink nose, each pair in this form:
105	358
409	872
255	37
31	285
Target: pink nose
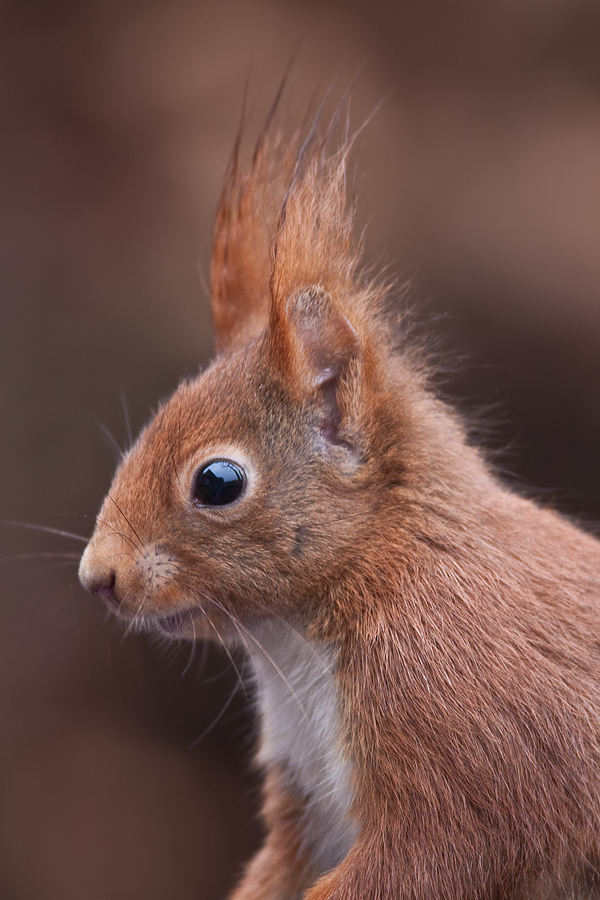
105	586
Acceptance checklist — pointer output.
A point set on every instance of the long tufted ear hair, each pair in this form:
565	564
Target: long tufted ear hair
245	227
282	224
285	265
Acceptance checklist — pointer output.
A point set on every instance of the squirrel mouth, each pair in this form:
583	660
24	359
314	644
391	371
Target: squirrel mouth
169	624
179	624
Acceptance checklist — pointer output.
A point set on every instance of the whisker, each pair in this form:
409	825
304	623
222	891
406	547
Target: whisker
179	429
44	528
172	456
266	654
234	665
127	419
120	534
171	648
110	440
193	648
125	553
351	516
240	627
73	557
134	623
202	662
141	543
267	611
205	644
217	718
215	629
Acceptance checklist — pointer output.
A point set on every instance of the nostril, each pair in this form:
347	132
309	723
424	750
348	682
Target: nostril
105	587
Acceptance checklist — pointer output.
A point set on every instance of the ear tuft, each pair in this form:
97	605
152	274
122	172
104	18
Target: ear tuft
240	263
284	224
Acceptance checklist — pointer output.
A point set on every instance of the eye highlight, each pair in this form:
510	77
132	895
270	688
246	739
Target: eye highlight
218	483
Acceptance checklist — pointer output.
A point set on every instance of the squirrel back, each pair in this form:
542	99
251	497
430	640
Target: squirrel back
426	643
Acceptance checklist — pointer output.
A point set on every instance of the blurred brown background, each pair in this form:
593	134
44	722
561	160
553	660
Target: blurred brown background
479	180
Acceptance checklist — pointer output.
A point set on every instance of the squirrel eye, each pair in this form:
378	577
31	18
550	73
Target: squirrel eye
219	482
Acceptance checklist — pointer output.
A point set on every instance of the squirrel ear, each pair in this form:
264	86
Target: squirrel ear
326	346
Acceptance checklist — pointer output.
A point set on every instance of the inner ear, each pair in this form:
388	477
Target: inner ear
328	344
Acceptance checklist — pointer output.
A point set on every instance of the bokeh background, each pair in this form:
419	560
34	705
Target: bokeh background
479	181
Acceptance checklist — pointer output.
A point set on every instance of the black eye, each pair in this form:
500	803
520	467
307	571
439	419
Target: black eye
219	482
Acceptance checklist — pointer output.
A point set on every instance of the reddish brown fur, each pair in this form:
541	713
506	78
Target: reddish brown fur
281	867
464	619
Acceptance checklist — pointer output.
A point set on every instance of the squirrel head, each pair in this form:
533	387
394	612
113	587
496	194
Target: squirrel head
258	484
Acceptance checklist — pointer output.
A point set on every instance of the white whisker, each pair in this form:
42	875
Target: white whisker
218	717
193	647
44	528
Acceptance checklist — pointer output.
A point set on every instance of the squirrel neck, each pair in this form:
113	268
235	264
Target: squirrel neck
299	707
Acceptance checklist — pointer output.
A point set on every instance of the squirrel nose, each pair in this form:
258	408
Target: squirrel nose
98	575
103	585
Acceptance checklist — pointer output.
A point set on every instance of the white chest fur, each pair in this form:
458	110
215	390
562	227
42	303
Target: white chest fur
300	730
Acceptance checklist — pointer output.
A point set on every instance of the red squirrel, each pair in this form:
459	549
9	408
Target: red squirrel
425	643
